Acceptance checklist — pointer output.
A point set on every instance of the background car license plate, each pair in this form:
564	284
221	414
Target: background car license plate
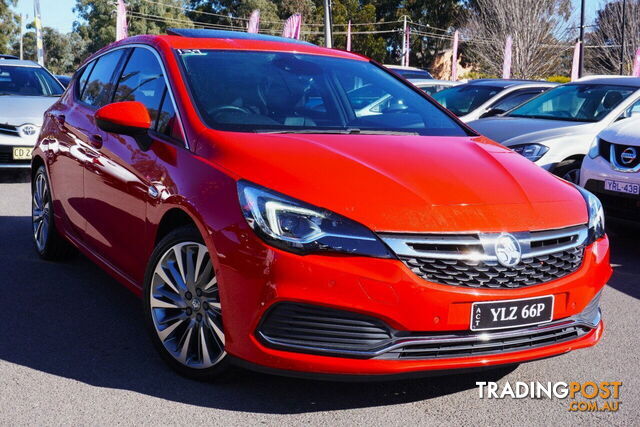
621	187
22	153
511	313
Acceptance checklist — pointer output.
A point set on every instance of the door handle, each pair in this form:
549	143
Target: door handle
96	141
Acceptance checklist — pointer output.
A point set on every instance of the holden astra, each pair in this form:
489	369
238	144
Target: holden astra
26	91
556	129
229	180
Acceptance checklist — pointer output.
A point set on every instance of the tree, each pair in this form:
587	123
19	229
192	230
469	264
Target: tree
539	29
606	39
60	49
96	23
8	24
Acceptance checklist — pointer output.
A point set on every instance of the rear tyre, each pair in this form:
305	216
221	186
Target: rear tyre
182	306
49	243
569	170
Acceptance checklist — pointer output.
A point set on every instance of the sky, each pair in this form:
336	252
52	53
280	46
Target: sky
59	13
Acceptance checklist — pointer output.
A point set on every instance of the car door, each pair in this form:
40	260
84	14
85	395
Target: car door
76	135
118	183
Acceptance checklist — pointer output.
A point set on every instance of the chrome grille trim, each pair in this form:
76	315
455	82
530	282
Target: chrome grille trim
479	247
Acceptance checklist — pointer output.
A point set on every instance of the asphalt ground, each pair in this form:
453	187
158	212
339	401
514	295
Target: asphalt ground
73	350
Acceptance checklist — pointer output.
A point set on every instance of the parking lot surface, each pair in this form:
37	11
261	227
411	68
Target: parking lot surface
73	349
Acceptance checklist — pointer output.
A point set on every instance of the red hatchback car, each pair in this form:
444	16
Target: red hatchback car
270	217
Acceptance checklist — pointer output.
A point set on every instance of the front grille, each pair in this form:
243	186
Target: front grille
476	344
310	326
618	205
490	274
470	260
615	156
6	156
9	130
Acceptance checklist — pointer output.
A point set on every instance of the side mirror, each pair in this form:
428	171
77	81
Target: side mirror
492	112
126	118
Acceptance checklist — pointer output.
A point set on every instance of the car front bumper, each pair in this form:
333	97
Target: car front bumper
386	290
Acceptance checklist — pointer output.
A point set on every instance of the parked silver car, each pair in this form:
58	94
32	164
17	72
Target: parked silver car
489	97
556	129
431	86
27	90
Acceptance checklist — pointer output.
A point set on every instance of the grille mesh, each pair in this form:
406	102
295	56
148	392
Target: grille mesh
487	274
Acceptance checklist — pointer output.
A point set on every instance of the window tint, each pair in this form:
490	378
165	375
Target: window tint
514	99
96	92
142	80
168	120
27	81
289	92
84	77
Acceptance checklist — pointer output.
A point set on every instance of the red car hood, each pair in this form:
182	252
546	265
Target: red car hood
404	183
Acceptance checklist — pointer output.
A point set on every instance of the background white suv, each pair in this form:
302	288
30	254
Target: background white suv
611	170
27	90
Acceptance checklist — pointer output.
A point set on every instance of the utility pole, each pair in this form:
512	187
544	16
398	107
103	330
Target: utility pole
404	41
21	34
328	21
582	19
624	22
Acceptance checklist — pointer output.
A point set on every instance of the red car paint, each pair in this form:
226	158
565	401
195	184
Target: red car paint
417	184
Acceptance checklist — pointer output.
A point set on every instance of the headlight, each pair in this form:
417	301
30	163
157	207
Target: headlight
594	150
27	130
532	152
298	227
596	215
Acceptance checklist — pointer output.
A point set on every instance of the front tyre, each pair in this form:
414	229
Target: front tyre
182	306
49	243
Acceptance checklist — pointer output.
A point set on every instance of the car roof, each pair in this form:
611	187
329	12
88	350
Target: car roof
229	40
610	80
403	67
19	62
433	82
505	83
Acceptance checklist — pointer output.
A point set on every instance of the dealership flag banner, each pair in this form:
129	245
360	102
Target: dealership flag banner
122	31
292	27
636	64
575	73
254	22
349	36
39	44
454	58
506	66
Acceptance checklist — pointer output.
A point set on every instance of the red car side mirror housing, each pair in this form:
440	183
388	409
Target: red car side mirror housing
126	118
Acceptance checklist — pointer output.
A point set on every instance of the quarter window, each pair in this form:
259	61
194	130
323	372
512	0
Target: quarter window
168	120
142	80
98	88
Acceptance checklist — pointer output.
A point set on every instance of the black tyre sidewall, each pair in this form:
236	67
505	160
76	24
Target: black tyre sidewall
179	235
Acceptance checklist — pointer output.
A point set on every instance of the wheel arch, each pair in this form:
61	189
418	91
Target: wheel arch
36	162
174	218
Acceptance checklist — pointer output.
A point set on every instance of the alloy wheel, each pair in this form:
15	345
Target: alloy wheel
185	306
572	175
40	211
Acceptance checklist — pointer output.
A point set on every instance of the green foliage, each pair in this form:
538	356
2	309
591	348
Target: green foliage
474	75
8	24
559	79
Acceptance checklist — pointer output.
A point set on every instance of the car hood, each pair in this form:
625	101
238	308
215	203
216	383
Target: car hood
19	110
514	130
405	183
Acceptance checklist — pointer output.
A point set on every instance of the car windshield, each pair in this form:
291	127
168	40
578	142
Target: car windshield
28	81
463	99
575	102
295	93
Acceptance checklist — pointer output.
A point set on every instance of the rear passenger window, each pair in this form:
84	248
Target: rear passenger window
142	80
98	88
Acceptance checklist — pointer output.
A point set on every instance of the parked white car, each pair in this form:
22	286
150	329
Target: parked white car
27	90
431	86
556	129
611	170
489	97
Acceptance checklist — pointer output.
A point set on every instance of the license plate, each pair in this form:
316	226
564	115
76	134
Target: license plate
621	187
22	153
511	313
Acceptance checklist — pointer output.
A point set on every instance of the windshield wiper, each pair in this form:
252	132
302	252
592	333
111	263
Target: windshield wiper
348	131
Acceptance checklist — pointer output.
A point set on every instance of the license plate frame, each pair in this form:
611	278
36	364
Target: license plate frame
622	187
482	310
21	153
